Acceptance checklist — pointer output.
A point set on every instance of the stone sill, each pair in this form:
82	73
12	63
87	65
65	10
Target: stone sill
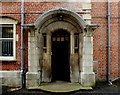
15	60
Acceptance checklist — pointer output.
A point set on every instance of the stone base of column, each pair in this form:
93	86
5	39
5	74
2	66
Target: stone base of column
32	79
87	79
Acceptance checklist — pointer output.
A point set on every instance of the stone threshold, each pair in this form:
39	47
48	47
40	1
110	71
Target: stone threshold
60	87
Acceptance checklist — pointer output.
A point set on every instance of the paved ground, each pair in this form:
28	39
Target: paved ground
102	88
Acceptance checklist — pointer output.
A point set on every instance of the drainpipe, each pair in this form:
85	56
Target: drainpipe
109	81
108	78
22	62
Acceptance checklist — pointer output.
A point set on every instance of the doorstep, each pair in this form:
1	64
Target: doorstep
60	87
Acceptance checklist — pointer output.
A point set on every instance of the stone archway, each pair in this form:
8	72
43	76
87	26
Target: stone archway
46	56
81	62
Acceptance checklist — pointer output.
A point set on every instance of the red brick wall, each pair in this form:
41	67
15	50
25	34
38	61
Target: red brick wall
12	9
119	37
99	16
32	12
34	9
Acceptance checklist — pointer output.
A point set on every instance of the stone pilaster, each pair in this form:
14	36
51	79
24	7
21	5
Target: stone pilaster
32	76
74	68
46	68
87	76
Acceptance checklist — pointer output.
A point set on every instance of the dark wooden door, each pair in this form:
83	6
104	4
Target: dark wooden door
60	58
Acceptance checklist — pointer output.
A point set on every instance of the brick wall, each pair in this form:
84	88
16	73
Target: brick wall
13	9
119	37
32	12
99	16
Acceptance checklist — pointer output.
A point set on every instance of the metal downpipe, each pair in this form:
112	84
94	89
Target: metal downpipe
109	81
22	62
108	78
115	79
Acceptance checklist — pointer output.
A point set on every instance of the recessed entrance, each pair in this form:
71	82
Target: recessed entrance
61	56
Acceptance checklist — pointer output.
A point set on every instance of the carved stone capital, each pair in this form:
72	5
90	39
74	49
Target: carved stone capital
89	31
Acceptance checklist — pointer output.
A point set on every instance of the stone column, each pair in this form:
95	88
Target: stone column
32	76
72	43
40	47
87	76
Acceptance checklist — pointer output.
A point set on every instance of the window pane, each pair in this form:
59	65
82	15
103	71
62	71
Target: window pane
0	48
6	45
58	38
54	38
6	31
0	32
76	41
44	40
6	48
62	38
67	38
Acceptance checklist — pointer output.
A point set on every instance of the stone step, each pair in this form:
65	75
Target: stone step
60	87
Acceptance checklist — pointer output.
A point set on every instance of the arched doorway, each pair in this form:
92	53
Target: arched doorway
60	55
41	47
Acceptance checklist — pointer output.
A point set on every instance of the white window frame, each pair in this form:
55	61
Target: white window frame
13	22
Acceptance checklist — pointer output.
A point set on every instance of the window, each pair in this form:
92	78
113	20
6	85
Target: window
44	43
76	38
7	41
57	37
44	40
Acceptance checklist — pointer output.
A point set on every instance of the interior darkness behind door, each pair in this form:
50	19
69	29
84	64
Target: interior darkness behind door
60	56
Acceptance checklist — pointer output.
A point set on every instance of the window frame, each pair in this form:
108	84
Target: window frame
76	48
9	21
44	41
